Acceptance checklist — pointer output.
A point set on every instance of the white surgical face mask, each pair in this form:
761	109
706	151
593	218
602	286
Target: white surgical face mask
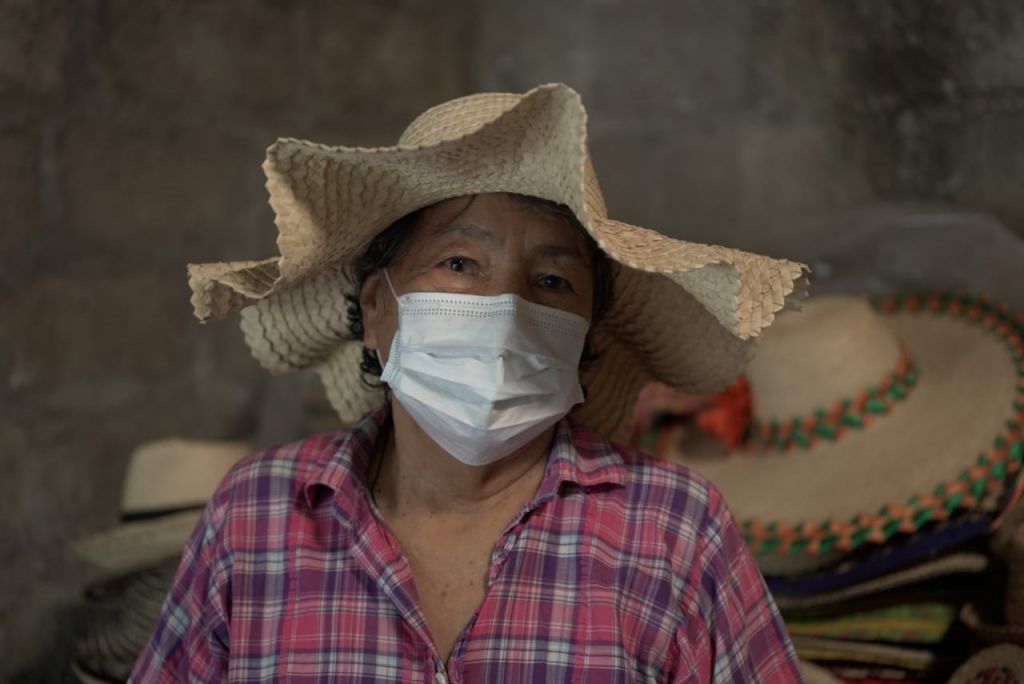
482	376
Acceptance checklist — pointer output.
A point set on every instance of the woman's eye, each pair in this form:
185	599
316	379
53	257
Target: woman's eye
457	264
553	282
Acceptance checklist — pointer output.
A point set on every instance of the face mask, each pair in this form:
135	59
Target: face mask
482	376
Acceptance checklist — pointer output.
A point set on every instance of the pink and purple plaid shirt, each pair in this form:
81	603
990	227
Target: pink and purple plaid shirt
621	569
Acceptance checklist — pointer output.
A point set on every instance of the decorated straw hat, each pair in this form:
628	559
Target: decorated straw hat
683	312
873	419
166	486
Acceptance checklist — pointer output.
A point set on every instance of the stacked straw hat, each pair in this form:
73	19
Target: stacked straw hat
166	486
122	613
871	420
684	313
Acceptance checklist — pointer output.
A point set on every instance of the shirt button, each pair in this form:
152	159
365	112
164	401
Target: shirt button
439	678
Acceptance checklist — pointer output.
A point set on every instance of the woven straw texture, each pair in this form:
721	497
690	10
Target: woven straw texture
684	313
950	443
122	614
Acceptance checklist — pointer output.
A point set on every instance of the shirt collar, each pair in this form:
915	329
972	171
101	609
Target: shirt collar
577	456
583	457
341	468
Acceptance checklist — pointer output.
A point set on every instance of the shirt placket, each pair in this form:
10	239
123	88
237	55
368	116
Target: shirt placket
378	554
506	544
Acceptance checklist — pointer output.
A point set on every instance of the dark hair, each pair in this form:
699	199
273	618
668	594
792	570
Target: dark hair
385	248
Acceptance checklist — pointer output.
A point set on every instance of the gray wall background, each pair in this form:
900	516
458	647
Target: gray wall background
132	132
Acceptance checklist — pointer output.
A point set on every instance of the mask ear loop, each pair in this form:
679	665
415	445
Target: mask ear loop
381	444
391	287
387	279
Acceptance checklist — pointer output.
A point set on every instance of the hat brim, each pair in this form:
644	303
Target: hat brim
990	632
137	545
845	651
963	563
815	674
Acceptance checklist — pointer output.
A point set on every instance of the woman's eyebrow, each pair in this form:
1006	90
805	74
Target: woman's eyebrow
555	251
467	229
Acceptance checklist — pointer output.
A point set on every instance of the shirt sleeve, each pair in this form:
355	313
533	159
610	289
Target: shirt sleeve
733	632
191	639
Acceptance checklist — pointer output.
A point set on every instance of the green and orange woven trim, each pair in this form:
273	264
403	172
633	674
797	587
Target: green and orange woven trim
846	414
988	475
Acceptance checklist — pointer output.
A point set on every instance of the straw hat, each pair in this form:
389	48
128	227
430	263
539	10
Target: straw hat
122	614
683	312
1003	664
1008	545
837	651
167	484
900	582
813	674
872	421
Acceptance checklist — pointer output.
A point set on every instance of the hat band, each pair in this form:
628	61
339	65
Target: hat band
846	414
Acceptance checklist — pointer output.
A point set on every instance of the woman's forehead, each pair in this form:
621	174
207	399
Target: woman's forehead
495	217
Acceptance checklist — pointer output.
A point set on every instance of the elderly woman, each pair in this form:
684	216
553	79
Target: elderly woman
468	290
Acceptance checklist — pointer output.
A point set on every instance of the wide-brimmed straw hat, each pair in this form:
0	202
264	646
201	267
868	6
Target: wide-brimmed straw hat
166	486
872	420
683	312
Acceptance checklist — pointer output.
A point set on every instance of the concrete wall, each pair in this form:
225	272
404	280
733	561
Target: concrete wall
743	121
131	134
131	137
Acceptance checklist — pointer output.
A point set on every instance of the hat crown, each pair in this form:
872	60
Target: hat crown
175	473
456	118
466	115
835	348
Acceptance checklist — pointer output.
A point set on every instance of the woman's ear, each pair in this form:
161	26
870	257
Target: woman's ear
374	308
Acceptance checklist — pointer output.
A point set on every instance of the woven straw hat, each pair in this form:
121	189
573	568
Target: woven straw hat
683	312
121	616
167	484
871	421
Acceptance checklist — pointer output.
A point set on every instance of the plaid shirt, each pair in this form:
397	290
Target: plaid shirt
620	569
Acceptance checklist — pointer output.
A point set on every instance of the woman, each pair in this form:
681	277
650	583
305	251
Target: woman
477	525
